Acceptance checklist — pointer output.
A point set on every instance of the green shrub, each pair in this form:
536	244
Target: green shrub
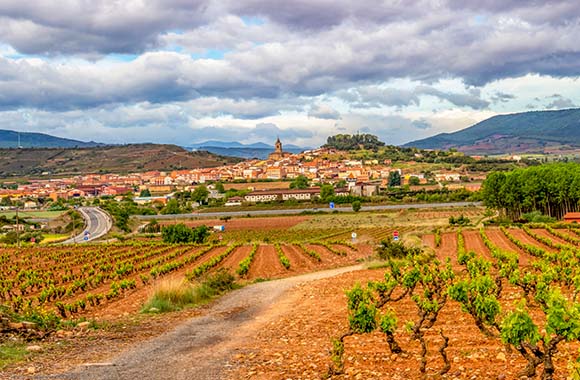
180	233
389	249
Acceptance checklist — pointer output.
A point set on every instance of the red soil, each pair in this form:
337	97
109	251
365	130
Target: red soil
473	242
266	223
266	264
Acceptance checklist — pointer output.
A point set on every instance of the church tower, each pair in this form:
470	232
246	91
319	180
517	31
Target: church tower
278	153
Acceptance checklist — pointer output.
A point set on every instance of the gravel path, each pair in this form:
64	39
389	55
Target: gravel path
202	347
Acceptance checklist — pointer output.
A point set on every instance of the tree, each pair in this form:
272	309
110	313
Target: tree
200	194
326	191
300	182
172	207
354	142
394	178
180	233
356	206
414	181
220	187
145	193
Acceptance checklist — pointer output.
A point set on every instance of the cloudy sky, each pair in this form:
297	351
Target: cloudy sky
184	71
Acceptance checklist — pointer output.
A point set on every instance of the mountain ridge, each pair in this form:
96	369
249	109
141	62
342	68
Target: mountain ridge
533	131
10	139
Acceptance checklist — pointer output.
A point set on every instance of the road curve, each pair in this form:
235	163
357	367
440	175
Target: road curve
97	224
208	215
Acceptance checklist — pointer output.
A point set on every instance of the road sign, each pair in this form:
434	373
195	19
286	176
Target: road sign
331	205
87	233
353	235
395	233
86	238
396	238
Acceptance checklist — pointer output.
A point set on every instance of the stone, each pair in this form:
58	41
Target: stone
501	356
154	310
501	376
33	348
31	370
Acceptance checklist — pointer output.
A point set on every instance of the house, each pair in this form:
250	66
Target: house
572	217
284	195
30	204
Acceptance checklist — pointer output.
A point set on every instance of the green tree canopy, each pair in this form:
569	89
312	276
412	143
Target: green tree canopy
180	233
300	182
200	194
353	142
394	179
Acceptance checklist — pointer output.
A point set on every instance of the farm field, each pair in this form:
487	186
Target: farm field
85	280
32	214
298	345
116	278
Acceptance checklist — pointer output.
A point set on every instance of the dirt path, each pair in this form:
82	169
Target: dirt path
202	348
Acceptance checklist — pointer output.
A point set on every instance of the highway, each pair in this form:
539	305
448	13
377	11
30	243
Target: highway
209	215
97	224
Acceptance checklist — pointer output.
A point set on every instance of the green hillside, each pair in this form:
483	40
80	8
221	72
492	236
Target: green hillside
526	131
9	139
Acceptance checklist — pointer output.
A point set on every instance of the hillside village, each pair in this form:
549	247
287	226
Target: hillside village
262	177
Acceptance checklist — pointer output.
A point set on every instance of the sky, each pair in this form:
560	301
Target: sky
187	71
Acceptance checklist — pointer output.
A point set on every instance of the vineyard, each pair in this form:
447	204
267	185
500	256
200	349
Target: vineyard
505	297
77	280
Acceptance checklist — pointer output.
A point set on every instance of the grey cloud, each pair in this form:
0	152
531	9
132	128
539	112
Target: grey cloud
471	99
559	102
421	124
501	97
372	96
323	111
343	45
101	27
265	132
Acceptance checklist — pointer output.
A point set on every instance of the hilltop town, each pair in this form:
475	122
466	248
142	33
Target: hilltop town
267	179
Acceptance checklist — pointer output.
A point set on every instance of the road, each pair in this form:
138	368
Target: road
208	215
97	223
203	347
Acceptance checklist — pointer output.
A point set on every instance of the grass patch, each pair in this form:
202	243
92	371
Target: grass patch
12	352
33	214
173	295
54	238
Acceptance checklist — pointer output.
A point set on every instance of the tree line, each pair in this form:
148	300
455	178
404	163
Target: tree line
552	189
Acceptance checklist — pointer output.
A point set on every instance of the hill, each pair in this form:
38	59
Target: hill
9	139
104	159
537	131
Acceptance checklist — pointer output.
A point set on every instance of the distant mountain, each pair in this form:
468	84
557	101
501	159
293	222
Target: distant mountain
9	139
257	150
104	159
537	131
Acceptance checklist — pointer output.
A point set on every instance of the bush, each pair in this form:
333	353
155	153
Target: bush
537	217
389	249
459	221
356	206
180	233
172	295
